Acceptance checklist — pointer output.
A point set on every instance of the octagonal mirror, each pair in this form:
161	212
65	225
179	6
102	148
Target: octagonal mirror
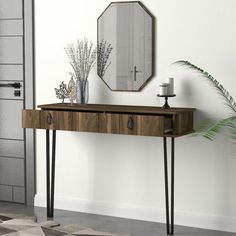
125	46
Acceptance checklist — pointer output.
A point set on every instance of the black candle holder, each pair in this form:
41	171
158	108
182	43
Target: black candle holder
166	105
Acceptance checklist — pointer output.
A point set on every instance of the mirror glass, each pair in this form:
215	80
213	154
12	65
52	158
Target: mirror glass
125	46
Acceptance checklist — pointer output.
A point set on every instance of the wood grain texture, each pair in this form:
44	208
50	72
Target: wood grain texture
114	108
88	122
39	120
152	125
137	124
44	120
109	123
183	123
31	119
149	122
67	121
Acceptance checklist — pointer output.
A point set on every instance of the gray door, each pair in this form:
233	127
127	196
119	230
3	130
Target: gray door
16	76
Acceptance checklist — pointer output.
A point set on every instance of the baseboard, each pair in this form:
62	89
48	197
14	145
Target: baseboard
137	212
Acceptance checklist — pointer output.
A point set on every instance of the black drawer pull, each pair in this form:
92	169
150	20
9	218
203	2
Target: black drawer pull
130	123
49	118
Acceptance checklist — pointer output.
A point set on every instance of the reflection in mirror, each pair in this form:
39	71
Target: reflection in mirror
125	46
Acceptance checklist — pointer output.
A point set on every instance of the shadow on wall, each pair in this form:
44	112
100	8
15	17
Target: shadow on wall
186	93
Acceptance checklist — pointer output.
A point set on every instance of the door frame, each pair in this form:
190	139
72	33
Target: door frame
29	97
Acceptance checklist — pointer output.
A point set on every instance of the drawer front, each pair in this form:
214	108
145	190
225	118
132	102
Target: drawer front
88	122
57	120
109	123
31	119
131	124
153	125
143	125
60	120
49	120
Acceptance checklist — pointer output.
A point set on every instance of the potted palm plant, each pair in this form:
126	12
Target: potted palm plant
210	130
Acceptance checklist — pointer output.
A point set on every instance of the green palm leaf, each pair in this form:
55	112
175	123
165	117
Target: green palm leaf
228	100
207	130
211	131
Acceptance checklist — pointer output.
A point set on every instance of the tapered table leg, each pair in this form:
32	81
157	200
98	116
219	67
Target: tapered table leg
169	212
50	179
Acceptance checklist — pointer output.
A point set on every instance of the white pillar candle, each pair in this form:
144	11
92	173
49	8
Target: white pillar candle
171	86
163	89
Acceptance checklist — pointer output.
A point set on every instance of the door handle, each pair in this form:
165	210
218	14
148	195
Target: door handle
135	71
13	85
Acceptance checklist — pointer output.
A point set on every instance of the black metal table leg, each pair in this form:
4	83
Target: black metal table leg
169	213
166	183
172	183
50	180
48	170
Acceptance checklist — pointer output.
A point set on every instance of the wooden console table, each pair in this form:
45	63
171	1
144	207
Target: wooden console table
113	119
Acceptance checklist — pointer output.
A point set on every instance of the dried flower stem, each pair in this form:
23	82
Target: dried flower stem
82	58
103	54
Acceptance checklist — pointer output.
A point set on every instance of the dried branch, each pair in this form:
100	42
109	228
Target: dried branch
104	51
82	58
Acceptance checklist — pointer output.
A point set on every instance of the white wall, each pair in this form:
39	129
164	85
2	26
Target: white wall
123	175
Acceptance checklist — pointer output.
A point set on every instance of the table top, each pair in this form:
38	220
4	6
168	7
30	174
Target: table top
114	108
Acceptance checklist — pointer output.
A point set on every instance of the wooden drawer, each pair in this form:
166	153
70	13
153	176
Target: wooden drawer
109	123
57	120
145	125
153	125
31	119
88	121
131	124
60	120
